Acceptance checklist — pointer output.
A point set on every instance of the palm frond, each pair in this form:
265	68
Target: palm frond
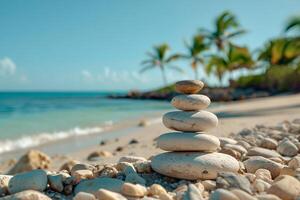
293	23
176	68
146	68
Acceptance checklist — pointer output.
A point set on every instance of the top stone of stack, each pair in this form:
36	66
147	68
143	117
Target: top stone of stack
189	86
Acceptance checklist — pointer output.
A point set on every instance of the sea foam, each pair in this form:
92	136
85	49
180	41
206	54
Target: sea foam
43	138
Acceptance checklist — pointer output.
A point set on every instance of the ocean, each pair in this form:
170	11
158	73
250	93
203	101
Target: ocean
28	119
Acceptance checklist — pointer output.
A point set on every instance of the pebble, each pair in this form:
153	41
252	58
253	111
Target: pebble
109	172
287	148
56	182
4	180
69	165
194	165
285	187
99	154
260	185
242	195
186	141
226	140
132	159
156	190
264	174
27	195
269	143
192	193
103	194
221	194
81	166
267	197
84	196
131	190
258	162
135	179
93	185
189	86
234	180
237	155
121	166
83	174
236	147
267	153
209	185
294	163
190	120
143	166
33	180
192	102
33	159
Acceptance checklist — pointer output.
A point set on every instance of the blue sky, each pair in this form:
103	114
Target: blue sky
99	44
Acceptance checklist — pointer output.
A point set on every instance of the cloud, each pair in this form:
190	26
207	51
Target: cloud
87	75
7	66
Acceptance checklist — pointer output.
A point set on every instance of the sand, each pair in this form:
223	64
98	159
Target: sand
233	117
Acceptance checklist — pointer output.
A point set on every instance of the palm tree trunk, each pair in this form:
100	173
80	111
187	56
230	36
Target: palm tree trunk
163	73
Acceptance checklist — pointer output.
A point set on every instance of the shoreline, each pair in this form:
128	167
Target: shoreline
233	117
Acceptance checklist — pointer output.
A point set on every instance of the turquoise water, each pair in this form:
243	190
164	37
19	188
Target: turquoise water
31	118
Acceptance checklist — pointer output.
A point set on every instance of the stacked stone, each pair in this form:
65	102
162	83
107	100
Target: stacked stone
191	153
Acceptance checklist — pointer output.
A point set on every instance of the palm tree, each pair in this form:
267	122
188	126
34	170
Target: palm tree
235	58
293	24
195	51
226	28
159	59
281	51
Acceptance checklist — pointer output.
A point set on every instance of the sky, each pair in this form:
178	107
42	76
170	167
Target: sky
99	44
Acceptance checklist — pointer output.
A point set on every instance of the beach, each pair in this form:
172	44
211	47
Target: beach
233	118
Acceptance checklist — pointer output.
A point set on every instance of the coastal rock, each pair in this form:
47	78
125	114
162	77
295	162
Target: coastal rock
190	121
221	194
236	147
258	162
190	102
81	166
156	190
56	182
178	141
93	185
33	180
267	153
286	187
33	159
189	86
226	140
135	178
132	190
287	148
264	174
267	197
83	174
193	165
260	185
68	165
209	185
294	163
143	166
103	194
84	196
132	159
27	195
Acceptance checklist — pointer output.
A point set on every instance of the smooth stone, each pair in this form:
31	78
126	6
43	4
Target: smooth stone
131	190
132	159
192	193
236	147
56	182
135	178
81	166
285	187
294	163
27	195
267	153
269	143
156	190
190	121
226	140
4	180
287	148
190	102
234	180
93	185
84	196
242	195
187	141
258	162
103	194
189	86
221	194
193	165
260	185
267	197
33	180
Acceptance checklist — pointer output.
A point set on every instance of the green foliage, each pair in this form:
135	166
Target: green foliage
276	79
281	51
293	23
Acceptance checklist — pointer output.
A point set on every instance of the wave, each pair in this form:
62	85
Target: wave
43	138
